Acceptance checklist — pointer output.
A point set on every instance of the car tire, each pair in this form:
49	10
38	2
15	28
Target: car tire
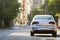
54	34
32	33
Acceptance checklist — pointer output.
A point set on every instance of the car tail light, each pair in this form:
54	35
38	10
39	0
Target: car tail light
51	22
35	23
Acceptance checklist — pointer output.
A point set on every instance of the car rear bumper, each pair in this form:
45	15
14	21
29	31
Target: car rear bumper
44	31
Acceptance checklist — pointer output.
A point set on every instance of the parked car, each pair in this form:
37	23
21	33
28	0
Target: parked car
44	24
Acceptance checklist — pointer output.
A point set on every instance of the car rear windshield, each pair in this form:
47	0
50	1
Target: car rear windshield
43	18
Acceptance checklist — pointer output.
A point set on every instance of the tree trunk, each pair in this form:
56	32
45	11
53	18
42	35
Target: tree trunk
0	23
6	23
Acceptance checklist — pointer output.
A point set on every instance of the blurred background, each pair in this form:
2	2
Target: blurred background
21	12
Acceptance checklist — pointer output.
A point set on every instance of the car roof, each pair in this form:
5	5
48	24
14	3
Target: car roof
36	16
43	15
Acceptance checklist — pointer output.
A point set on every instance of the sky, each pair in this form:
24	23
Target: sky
19	1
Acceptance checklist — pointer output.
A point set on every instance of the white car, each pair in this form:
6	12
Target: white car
43	24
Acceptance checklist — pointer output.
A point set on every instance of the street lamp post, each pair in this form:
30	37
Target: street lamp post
46	7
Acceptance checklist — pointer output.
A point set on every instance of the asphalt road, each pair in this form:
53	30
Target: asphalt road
23	33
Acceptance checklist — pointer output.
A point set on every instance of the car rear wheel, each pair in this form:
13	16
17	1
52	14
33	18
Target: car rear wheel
32	33
54	34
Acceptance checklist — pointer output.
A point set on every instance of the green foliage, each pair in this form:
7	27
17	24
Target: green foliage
54	7
57	5
8	10
51	7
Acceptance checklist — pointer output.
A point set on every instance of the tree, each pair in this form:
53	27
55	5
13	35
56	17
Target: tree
54	7
8	11
57	5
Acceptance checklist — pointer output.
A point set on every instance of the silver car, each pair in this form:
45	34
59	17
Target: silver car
43	24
